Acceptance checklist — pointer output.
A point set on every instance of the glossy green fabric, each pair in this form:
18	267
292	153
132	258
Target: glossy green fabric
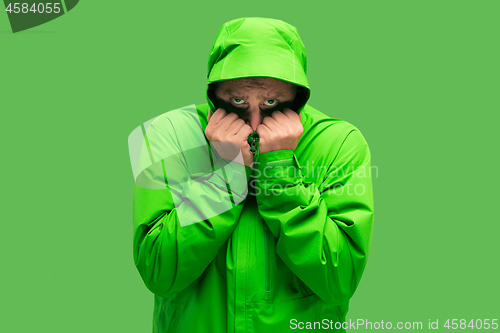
296	244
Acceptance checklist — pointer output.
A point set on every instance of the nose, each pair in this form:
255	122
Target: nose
254	117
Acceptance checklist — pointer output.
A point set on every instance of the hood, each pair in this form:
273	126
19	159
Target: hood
258	47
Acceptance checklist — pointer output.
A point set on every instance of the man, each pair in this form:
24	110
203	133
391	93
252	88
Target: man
290	246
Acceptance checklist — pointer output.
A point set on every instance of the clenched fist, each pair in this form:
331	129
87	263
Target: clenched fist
228	133
280	131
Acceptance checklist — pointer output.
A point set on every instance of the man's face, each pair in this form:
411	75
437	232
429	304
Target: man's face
255	98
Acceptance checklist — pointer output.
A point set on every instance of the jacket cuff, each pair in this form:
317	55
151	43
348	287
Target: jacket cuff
278	164
280	185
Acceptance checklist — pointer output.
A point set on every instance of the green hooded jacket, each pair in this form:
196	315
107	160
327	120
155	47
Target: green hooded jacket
228	248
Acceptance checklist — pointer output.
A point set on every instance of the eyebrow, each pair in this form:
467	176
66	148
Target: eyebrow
230	92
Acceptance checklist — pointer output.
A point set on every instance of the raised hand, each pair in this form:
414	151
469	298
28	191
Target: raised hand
280	131
228	133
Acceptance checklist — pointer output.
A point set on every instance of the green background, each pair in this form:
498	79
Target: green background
420	79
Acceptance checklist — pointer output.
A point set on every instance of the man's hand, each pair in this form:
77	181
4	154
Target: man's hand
280	131
229	133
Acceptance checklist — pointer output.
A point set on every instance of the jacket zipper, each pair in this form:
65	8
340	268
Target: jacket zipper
267	287
254	149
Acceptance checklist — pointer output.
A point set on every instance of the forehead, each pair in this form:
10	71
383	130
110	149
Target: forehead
265	87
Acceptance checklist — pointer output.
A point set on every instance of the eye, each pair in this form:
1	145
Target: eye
238	101
270	100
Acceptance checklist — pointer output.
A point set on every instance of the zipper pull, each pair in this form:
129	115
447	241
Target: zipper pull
253	140
252	146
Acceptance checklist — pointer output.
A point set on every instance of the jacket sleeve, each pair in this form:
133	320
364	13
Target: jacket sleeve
323	232
182	214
